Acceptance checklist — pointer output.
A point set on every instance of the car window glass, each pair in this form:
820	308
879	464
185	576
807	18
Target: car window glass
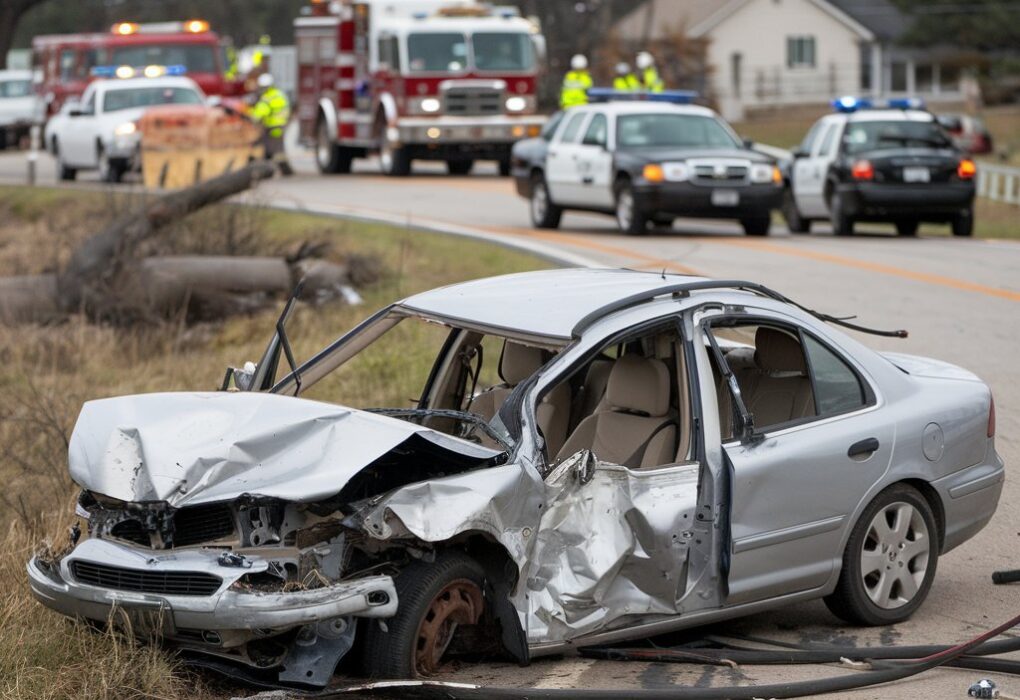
771	371
196	58
116	100
550	126
669	130
503	51
15	88
598	131
826	141
68	58
573	127
872	135
837	387
809	139
437	52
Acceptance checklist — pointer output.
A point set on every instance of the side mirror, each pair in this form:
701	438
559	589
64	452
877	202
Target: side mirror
749	144
75	112
798	152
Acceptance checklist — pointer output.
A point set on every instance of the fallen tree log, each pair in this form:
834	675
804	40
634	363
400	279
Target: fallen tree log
86	279
29	298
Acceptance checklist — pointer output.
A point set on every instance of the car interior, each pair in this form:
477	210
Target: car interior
782	380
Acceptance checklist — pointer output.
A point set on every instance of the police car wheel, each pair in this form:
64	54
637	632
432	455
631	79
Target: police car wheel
963	223
504	167
907	227
842	224
757	225
110	170
794	221
629	216
544	214
459	167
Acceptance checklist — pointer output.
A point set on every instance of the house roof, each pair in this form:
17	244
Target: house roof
883	18
660	18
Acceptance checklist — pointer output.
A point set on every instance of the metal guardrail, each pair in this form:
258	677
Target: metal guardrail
998	183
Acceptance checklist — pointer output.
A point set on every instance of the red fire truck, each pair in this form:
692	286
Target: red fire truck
449	80
66	61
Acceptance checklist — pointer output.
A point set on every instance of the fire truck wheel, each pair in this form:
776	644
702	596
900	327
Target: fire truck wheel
395	161
459	167
329	157
504	167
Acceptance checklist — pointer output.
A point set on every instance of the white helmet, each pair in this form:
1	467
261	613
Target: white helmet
579	62
265	80
622	68
645	60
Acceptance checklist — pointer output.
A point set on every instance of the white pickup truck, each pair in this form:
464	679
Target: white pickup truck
17	106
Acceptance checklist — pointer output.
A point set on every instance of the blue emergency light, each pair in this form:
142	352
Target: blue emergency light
676	97
151	71
849	104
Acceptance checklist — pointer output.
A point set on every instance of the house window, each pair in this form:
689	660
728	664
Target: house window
800	52
898	76
923	77
866	77
949	78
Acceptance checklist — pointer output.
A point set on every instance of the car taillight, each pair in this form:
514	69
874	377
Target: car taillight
991	419
966	170
863	170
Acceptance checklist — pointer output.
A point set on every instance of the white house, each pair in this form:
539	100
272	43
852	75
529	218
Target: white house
776	52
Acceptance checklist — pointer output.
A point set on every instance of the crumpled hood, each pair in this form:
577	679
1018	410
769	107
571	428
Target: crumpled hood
190	448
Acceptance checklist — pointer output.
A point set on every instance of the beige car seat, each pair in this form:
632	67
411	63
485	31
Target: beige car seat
634	426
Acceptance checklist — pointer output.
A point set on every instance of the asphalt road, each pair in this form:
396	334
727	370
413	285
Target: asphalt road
960	300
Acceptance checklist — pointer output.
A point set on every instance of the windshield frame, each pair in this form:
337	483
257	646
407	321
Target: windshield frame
735	142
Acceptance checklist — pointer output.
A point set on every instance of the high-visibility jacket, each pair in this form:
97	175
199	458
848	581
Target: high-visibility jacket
576	84
272	111
651	81
231	71
626	83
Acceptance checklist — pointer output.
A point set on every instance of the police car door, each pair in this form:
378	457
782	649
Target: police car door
78	137
595	164
561	165
810	169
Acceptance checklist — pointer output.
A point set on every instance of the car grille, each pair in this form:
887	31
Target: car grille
708	173
473	102
162	582
192	525
199	524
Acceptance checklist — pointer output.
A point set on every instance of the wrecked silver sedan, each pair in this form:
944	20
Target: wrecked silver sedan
594	455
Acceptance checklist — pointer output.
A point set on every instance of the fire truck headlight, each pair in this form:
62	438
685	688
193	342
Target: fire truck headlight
125	129
516	104
434	132
430	105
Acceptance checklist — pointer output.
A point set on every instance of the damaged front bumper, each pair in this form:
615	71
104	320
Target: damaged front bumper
188	596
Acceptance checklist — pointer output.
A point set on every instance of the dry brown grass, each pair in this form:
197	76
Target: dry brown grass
47	372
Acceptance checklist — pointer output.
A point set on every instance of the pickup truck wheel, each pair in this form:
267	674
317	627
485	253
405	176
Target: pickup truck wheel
459	167
842	223
889	561
110	170
64	172
794	221
629	217
757	225
434	600
544	214
394	160
907	227
963	223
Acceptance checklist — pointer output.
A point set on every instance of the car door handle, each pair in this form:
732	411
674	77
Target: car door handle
862	448
588	180
552	153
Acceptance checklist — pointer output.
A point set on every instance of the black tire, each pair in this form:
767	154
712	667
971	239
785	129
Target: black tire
757	225
504	167
395	650
459	167
330	158
963	223
110	169
842	223
851	600
66	173
544	214
631	219
794	221
907	227
395	161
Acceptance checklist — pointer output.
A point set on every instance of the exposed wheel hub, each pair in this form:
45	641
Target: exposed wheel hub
459	603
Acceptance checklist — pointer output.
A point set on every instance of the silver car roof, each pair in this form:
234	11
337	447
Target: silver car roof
547	303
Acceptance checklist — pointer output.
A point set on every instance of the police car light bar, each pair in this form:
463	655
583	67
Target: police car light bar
849	104
677	97
124	72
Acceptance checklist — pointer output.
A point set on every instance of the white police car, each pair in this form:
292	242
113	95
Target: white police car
100	132
645	158
888	162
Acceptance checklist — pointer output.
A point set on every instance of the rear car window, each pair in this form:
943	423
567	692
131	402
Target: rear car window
874	135
837	387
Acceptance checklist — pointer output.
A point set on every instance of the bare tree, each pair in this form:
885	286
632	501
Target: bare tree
11	12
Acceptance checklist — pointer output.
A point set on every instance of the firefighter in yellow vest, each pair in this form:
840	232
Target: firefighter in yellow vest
576	84
648	75
272	111
625	80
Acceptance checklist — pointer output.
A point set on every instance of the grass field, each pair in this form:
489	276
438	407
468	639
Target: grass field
47	372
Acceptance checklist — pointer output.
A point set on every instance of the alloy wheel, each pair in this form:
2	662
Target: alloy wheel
894	555
539	202
625	209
